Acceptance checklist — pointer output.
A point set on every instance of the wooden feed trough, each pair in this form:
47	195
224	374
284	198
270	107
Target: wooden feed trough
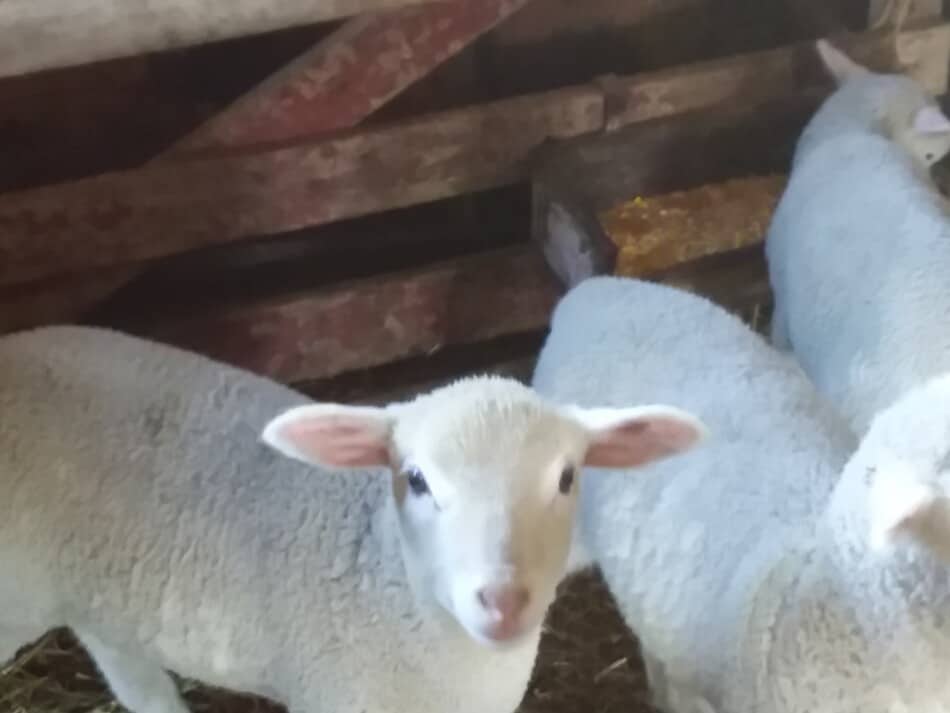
363	198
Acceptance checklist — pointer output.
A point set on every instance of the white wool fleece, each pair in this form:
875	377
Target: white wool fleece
139	506
859	246
181	514
752	568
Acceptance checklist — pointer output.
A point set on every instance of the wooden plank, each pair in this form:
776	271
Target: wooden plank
163	209
343	79
331	331
171	207
63	299
336	84
648	236
43	34
759	76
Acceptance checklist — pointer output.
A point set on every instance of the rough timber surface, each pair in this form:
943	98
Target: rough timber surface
44	34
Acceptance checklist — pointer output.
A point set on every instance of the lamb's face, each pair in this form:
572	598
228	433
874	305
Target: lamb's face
486	488
485	479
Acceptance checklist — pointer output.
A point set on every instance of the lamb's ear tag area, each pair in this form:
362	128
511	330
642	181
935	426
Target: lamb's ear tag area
332	436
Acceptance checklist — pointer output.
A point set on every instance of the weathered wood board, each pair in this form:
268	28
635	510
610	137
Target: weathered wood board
171	207
365	323
43	34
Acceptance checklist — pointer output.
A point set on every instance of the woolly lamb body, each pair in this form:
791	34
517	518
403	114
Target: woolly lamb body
238	567
745	566
859	246
145	504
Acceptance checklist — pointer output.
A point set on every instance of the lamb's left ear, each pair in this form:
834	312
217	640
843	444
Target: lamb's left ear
929	120
333	435
630	437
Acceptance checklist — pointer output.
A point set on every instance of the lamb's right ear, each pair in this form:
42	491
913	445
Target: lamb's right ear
630	437
333	435
839	65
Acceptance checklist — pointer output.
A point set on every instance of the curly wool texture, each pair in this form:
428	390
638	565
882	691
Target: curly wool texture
180	539
859	250
744	566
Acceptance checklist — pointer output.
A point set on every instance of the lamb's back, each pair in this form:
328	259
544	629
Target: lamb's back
858	250
683	536
134	478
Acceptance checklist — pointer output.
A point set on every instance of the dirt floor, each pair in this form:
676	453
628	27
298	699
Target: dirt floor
588	663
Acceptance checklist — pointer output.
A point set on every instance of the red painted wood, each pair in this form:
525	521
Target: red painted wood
367	62
349	75
171	207
374	321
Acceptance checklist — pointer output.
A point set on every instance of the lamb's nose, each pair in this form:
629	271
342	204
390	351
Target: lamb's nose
508	601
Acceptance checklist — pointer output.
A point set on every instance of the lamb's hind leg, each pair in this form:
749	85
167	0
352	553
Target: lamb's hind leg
137	683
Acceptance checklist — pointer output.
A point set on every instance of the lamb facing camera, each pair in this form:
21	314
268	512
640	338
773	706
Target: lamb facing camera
181	514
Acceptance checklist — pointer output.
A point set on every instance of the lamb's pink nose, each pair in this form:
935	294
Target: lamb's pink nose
506	602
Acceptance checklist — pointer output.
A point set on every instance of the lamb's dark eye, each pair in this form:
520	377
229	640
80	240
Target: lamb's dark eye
567	479
929	156
417	482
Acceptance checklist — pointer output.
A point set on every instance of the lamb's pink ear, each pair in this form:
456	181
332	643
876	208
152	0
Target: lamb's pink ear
930	120
332	435
839	65
629	437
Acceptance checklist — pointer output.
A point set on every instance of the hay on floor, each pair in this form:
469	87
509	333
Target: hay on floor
588	663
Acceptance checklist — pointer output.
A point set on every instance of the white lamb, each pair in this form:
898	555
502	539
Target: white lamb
859	246
769	570
139	506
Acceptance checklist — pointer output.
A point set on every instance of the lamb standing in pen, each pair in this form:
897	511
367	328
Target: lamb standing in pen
859	247
140	508
769	570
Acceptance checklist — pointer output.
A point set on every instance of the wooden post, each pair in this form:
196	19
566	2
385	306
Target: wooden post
44	34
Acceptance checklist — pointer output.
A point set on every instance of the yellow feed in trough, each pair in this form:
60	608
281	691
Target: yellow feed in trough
658	232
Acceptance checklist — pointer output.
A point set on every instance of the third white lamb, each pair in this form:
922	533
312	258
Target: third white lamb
773	569
859	247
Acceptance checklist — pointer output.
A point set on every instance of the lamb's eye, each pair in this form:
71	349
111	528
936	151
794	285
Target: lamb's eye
567	480
417	482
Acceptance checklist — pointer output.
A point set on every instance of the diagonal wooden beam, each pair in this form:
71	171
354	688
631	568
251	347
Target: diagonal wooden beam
367	62
171	207
349	75
45	34
174	206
